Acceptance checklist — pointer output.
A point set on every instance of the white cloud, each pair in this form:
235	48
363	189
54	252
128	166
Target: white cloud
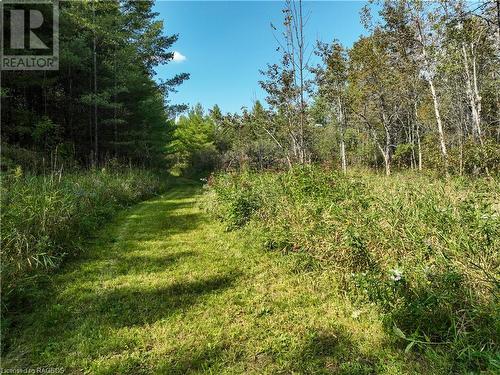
178	57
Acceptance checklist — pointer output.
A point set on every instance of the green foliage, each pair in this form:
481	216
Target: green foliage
468	158
391	101
103	101
45	218
237	199
192	150
13	157
46	133
163	289
424	250
403	155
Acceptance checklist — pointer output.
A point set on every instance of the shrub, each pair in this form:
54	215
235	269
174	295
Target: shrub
424	249
235	204
45	218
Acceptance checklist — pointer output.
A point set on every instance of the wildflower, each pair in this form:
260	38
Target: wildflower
203	179
396	275
355	314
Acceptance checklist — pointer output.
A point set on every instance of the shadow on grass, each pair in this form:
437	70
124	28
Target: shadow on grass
161	224
200	359
332	351
124	307
139	264
171	205
96	315
116	251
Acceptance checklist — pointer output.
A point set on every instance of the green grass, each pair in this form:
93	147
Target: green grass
165	289
46	218
423	250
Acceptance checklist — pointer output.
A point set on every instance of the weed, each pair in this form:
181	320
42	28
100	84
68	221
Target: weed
45	218
424	250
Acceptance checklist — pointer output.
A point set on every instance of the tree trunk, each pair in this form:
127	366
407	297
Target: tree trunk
412	142
341	119
498	17
301	46
385	151
388	140
439	124
419	148
115	127
94	58
387	166
437	114
91	131
461	161
473	93
387	159
417	129
70	107
342	154
474	98
497	96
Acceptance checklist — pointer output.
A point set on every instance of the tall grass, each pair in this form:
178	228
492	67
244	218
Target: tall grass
46	218
425	250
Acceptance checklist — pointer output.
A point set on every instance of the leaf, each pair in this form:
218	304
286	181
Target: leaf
409	346
398	332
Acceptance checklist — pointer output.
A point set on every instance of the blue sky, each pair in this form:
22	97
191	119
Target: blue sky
225	44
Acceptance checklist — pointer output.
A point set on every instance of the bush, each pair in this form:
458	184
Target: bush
470	159
423	249
236	200
45	218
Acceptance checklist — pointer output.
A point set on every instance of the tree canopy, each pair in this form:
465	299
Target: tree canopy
103	102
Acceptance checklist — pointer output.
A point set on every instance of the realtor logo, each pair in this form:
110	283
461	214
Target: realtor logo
29	35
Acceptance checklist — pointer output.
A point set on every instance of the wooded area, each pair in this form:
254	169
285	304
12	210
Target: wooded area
419	91
103	103
347	223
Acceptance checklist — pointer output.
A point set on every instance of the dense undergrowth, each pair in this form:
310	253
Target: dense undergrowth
424	250
46	218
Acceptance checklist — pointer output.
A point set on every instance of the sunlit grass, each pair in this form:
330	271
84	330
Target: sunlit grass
421	249
164	289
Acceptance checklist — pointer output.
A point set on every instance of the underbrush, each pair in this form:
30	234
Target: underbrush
46	218
424	249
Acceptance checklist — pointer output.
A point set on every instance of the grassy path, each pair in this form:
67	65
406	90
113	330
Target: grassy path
166	290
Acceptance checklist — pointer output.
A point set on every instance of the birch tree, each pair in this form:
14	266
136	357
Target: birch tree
331	79
428	41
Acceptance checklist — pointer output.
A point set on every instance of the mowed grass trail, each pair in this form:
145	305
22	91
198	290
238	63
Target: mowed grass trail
164	289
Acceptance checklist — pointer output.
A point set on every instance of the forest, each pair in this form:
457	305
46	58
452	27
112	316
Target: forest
420	91
346	223
103	102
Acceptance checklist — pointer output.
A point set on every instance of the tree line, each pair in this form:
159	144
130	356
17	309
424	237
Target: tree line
103	103
419	90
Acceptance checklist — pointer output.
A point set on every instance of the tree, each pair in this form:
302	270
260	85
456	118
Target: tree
374	89
286	83
192	149
103	99
332	88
